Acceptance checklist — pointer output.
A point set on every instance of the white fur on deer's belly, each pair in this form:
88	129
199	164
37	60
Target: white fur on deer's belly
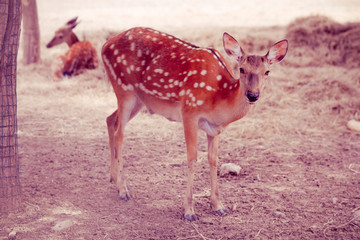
171	112
209	127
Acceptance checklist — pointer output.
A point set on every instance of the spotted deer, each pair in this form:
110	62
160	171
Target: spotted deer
80	55
183	83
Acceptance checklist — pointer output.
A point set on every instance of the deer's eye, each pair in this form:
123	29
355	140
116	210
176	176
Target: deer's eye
60	36
267	73
242	70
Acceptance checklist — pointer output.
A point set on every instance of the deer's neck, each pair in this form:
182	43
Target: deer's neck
72	39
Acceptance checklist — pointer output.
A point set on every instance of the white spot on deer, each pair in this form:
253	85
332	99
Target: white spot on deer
119	81
112	46
200	102
138	69
162	80
139	53
182	92
159	70
128	70
130	87
176	82
209	88
118	59
154	39
156	85
132	68
143	63
149	78
124	62
188	92
225	85
166	74
219	77
116	52
132	46
202	84
130	37
203	72
107	63
196	85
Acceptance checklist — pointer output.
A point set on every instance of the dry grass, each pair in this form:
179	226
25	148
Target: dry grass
318	40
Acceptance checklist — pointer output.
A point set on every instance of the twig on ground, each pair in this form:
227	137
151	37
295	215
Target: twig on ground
200	234
350	168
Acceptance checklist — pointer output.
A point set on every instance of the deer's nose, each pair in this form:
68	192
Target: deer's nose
253	97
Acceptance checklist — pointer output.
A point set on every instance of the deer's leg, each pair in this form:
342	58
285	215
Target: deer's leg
112	124
213	146
190	129
128	107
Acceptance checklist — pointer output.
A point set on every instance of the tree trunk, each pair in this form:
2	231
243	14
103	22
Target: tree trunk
31	33
10	24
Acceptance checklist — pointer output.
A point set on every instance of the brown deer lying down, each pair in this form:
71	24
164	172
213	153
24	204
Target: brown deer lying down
81	54
183	83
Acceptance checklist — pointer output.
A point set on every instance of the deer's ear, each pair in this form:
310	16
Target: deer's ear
277	52
232	47
72	23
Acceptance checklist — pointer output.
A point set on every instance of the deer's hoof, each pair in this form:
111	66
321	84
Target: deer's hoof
191	217
125	197
221	211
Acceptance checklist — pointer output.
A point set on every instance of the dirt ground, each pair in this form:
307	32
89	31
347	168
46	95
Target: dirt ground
300	176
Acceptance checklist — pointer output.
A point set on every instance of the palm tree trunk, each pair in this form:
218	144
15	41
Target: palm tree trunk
10	24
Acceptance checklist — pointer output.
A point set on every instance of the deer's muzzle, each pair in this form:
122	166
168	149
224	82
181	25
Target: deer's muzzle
252	97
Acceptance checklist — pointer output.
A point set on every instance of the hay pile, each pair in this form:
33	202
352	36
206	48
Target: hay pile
318	40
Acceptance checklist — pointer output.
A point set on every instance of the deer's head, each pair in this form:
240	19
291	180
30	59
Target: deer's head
64	34
254	70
